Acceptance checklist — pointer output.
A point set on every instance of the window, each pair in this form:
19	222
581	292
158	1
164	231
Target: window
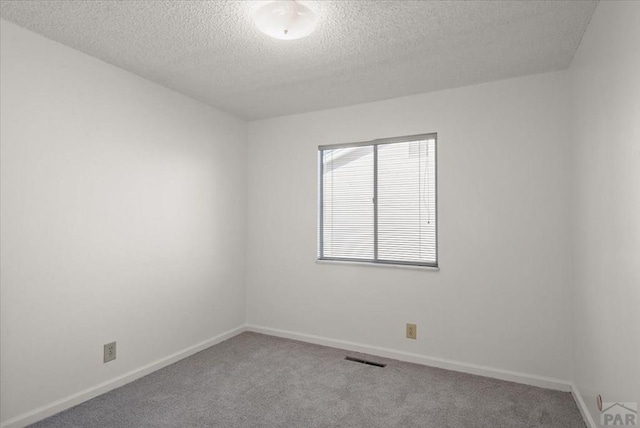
377	201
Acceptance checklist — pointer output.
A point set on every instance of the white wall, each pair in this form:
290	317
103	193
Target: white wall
123	218
501	298
605	76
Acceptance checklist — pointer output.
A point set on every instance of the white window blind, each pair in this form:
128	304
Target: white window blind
378	200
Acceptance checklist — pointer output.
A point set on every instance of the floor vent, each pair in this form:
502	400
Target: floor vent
370	363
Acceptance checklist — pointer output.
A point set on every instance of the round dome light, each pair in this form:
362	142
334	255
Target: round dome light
285	20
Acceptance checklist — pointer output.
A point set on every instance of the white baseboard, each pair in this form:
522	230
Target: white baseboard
527	379
586	415
89	393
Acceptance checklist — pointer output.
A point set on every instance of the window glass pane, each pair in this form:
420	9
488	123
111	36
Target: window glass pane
407	202
347	194
378	202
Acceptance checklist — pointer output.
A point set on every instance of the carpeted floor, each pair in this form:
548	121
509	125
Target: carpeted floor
253	380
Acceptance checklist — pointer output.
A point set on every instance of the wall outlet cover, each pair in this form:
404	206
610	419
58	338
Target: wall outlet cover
412	331
109	352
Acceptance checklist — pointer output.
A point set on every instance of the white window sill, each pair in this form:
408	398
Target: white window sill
380	265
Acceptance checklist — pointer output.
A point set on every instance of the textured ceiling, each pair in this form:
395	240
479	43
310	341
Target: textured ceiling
361	51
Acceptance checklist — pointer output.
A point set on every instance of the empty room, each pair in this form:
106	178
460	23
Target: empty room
319	214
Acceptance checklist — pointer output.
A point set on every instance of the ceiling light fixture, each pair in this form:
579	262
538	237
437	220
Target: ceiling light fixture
285	20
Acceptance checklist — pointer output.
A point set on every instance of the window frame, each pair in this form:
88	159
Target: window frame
320	209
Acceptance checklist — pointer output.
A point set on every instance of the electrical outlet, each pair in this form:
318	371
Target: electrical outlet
599	402
412	331
109	352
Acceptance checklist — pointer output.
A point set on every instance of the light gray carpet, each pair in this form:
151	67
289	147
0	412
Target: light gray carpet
253	380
